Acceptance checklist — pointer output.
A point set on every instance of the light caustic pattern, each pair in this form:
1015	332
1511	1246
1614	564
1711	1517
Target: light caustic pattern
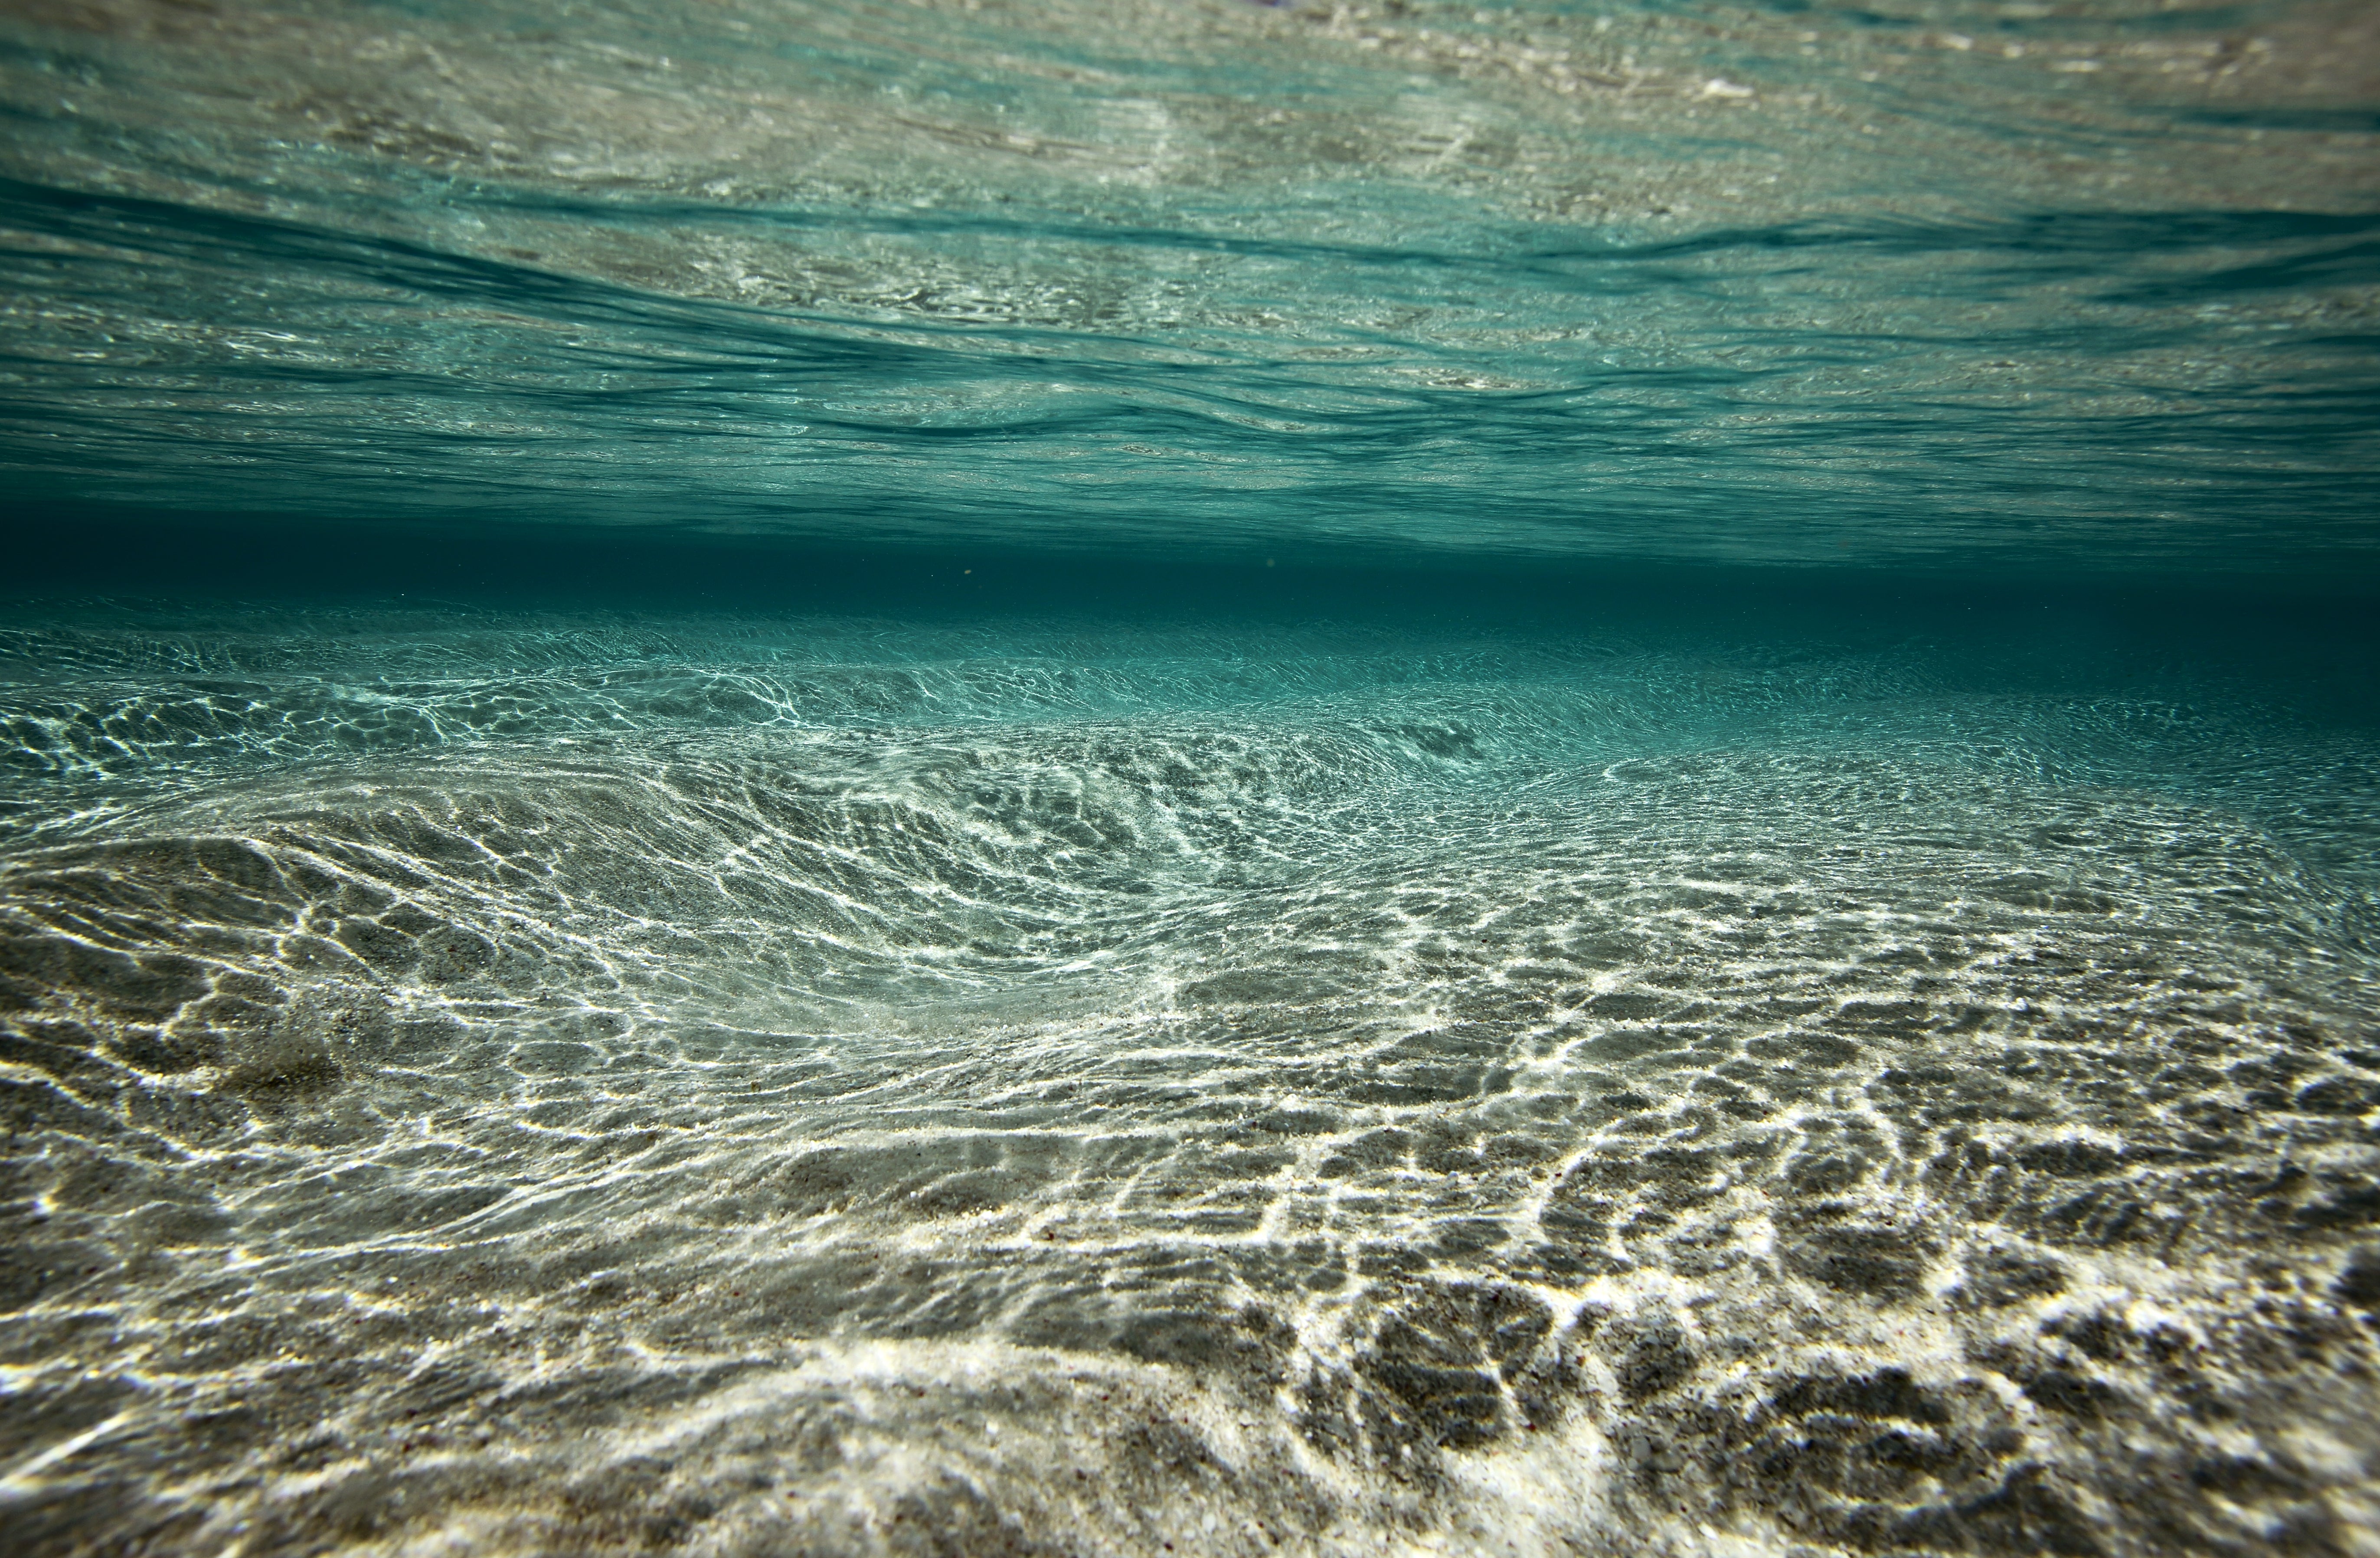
719	1086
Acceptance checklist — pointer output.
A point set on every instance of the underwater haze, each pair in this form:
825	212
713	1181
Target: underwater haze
976	778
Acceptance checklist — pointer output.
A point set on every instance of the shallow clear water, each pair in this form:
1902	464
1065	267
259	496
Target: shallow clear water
1199	778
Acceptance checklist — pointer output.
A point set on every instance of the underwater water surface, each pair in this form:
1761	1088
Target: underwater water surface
993	779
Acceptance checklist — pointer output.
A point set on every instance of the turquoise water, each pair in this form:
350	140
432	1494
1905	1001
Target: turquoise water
1210	778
